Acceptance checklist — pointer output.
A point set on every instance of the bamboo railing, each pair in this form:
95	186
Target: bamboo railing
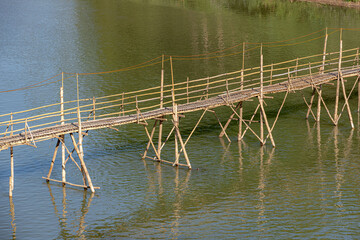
166	95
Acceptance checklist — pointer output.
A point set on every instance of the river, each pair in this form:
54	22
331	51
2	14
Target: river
306	187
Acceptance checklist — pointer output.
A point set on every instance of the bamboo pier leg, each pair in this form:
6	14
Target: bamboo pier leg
176	123
11	179
261	96
152	143
160	137
347	103
319	104
263	113
229	120
177	156
53	159
240	122
82	162
311	103
63	161
149	142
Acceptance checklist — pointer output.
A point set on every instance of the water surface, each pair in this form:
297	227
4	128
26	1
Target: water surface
308	187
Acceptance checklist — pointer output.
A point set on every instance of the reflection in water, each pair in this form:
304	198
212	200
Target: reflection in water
63	218
226	155
12	214
264	169
180	189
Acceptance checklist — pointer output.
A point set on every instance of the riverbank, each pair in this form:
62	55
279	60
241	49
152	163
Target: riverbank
339	3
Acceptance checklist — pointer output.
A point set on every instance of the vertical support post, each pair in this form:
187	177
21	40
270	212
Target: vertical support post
241	88
94	108
227	89
161	105
176	124
207	87
80	151
271	73
172	83
261	95
11	182
336	118
162	83
137	110
63	161
122	103
310	104
296	67
11	179
324	53
319	104
187	89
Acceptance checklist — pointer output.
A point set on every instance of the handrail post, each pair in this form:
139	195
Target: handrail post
187	89
172	83
94	108
324	53
162	83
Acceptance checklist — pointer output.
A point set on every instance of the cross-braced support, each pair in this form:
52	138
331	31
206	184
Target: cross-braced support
87	183
180	144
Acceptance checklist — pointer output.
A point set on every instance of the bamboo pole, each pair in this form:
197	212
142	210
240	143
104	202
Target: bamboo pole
338	82
149	142
240	136
176	123
172	83
357	65
162	83
310	104
266	124
207	87
82	162
137	110
94	108
80	150
11	178
161	105
11	182
63	171
261	95
324	52
240	121
347	103
160	137
187	89
229	120
53	158
319	91
271	73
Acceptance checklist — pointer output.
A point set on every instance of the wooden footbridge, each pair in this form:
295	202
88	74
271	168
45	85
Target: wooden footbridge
176	99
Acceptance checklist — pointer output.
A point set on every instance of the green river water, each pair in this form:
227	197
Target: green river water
305	188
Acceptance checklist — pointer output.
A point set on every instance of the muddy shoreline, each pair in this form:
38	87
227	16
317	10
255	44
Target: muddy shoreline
339	3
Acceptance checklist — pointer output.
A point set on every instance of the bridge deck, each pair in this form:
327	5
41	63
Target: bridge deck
220	100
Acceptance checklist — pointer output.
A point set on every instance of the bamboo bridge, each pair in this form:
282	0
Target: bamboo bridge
172	101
